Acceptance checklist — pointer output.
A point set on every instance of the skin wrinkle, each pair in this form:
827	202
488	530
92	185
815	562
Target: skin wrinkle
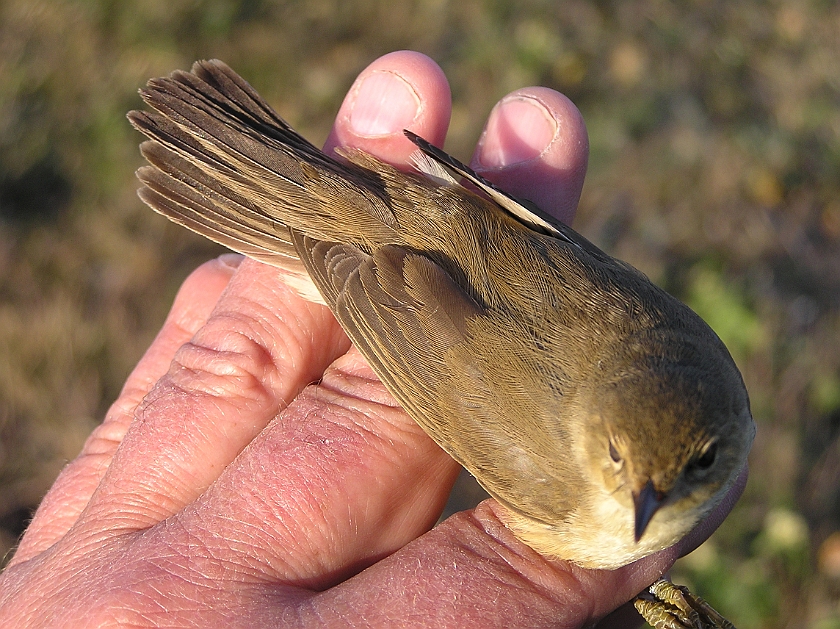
361	413
116	422
351	377
136	513
254	567
226	409
342	412
220	407
172	577
262	324
258	570
303	335
280	567
189	569
288	510
440	586
276	334
334	434
521	562
239	358
179	330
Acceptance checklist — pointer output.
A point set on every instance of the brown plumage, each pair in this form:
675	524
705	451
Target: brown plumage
603	413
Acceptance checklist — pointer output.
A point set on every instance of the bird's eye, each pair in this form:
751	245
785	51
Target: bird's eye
707	459
614	455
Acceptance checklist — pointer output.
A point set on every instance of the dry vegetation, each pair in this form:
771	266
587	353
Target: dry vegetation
715	168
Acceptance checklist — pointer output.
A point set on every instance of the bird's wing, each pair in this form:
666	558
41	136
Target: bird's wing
403	312
522	209
416	327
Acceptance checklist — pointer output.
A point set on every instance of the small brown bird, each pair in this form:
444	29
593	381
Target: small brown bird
603	413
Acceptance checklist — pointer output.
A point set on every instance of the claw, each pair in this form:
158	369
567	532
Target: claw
669	606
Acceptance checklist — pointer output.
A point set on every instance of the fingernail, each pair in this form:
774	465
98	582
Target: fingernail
385	104
230	260
519	129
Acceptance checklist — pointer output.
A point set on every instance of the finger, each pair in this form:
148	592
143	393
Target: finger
261	345
500	582
342	478
76	483
535	146
401	90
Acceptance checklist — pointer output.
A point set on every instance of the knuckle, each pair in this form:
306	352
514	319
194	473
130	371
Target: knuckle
237	367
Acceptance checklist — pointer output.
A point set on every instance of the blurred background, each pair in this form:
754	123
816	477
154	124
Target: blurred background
715	168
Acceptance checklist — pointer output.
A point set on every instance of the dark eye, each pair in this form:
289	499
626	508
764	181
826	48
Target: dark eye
614	455
707	459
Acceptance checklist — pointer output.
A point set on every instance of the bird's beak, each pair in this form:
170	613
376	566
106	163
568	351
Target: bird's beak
646	502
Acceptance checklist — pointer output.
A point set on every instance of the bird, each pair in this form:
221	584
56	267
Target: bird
602	413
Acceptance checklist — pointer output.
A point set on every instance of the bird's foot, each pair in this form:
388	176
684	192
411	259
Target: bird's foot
669	606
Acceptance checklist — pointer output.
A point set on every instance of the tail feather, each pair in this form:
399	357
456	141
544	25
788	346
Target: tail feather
180	203
180	180
226	165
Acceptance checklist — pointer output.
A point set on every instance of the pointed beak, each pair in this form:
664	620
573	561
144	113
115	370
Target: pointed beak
647	502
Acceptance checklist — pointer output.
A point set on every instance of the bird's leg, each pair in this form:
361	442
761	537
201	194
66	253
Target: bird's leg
669	606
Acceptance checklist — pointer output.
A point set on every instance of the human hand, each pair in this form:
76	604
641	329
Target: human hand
224	488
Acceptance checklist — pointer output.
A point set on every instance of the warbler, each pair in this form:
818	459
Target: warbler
601	412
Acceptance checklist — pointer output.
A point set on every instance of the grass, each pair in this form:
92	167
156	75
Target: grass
715	168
